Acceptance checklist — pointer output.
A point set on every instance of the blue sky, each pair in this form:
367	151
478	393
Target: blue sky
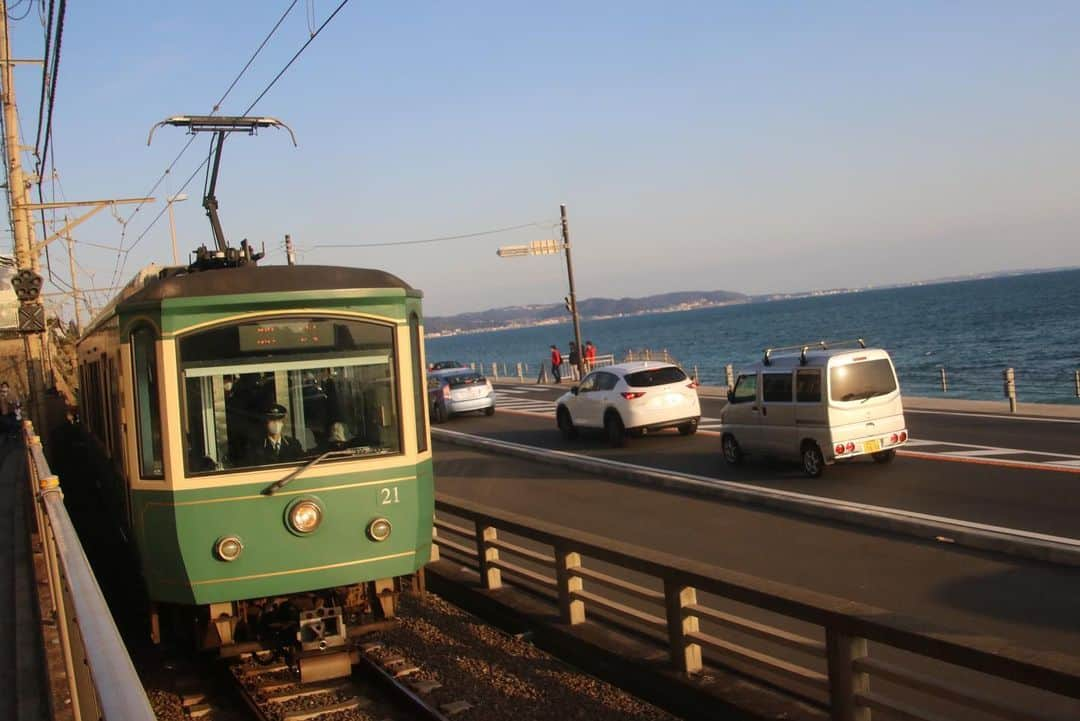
753	147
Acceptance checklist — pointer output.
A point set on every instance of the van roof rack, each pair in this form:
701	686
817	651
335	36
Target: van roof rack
804	348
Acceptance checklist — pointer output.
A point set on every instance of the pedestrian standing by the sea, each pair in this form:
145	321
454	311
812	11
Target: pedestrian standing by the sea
575	356
590	355
556	362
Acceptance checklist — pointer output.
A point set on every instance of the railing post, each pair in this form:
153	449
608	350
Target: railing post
572	610
434	544
685	654
1010	388
844	681
495	370
485	554
521	373
944	380
1076	380
729	375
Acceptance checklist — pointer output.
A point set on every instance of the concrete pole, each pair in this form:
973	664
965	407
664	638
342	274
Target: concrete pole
290	252
75	282
573	295
18	201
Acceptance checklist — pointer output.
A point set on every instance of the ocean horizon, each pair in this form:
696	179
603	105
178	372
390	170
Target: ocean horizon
973	328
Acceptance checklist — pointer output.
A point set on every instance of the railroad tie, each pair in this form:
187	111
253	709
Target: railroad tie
348	704
315	690
455	707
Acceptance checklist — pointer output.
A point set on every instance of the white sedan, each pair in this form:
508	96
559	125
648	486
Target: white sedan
631	397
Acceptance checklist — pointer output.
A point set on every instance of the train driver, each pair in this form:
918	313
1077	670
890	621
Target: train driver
276	447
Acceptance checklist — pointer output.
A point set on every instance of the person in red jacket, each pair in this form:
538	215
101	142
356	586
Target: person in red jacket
556	361
590	355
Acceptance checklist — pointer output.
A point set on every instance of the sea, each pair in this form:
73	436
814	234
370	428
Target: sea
974	329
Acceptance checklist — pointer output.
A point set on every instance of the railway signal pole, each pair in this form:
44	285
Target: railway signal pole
28	281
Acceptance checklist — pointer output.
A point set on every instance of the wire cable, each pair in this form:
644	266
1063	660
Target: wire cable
255	102
217	106
61	10
440	239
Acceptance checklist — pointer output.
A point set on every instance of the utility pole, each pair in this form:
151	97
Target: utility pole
290	252
573	296
74	283
31	310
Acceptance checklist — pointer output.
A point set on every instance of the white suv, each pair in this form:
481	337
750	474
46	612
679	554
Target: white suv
637	397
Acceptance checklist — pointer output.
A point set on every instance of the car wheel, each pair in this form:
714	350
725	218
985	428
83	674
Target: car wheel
615	431
884	456
689	428
566	424
813	463
489	411
732	453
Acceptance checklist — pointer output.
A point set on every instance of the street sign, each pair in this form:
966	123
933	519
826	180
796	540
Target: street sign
31	318
550	246
512	251
545	247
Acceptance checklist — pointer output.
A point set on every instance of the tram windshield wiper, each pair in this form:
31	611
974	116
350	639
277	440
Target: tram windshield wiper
343	453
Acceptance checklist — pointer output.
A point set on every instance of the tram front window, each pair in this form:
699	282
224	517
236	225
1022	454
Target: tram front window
286	390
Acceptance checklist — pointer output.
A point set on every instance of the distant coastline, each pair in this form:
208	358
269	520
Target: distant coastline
514	317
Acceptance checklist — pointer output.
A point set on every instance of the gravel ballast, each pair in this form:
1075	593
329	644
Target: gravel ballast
504	677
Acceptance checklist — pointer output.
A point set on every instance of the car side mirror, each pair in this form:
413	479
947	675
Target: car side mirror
731	395
574	390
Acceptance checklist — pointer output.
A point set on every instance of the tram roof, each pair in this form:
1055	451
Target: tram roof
264	279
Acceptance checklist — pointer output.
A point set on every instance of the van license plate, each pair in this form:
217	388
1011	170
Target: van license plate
871	446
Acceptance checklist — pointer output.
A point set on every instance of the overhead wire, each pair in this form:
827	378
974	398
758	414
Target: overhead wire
250	107
439	239
191	140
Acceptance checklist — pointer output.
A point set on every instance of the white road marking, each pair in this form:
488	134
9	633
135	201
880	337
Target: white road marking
982	452
992	415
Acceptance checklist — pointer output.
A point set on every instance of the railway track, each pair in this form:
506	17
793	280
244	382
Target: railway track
384	685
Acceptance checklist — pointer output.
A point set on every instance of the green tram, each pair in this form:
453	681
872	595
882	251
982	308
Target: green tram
269	429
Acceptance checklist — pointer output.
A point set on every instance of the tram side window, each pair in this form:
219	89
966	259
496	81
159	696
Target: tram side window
419	394
148	417
288	390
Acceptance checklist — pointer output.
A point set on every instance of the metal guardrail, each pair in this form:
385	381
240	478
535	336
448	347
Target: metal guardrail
101	678
839	669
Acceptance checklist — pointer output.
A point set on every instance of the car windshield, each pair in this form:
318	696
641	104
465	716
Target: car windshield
285	390
443	365
862	380
464	379
655	377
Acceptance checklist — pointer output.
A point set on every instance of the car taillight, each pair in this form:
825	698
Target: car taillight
850	447
692	384
446	391
903	436
631	395
894	438
839	449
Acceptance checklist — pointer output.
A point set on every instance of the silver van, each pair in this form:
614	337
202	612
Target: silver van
817	403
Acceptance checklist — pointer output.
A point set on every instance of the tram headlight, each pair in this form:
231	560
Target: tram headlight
304	516
228	548
379	530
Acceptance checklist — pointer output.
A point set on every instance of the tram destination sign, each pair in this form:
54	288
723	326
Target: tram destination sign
287	335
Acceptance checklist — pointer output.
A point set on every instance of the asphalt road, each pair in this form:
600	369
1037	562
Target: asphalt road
974	468
965	592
